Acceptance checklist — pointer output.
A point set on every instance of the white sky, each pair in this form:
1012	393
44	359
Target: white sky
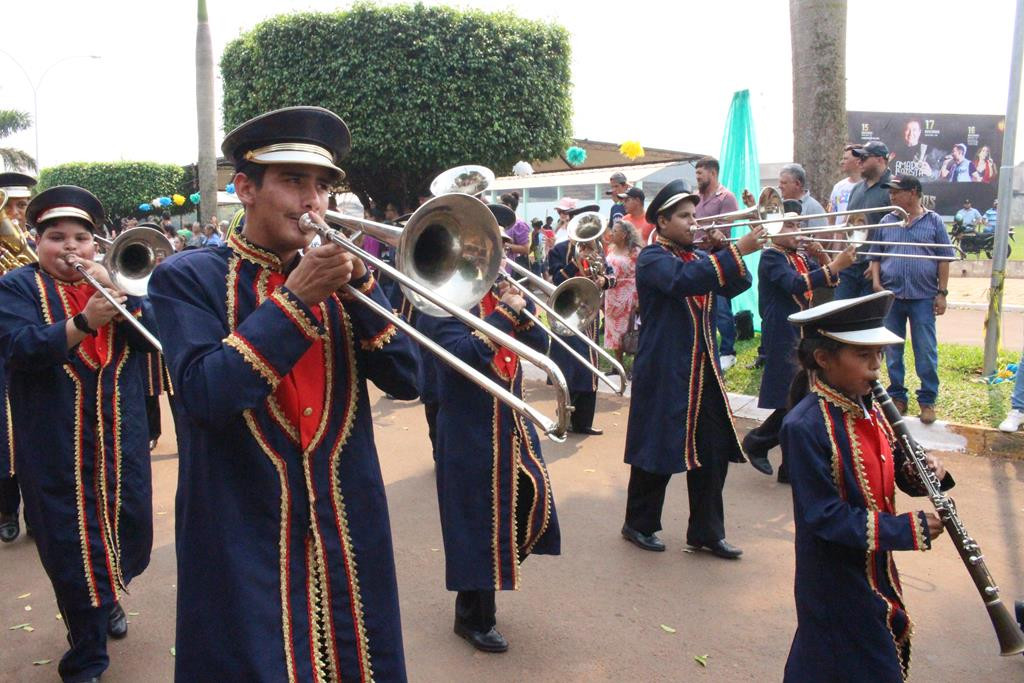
137	102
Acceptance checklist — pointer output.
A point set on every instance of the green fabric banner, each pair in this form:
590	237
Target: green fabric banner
740	170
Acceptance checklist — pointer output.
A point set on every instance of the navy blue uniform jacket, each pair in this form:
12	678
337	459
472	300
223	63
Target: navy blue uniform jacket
577	376
780	292
493	489
285	563
81	442
676	345
852	624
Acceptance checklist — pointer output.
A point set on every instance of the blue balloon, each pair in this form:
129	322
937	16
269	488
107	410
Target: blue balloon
230	188
165	201
145	207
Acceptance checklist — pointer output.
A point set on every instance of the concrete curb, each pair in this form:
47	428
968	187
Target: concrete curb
940	436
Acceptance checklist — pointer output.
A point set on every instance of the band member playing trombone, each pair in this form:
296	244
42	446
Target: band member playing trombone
80	437
679	418
285	564
565	260
17	188
786	281
493	489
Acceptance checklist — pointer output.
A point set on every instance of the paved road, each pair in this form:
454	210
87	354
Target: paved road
595	613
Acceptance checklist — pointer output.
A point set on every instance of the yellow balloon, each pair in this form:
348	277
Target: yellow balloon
178	199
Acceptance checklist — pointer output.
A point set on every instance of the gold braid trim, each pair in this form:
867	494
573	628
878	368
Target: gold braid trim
286	302
44	302
739	259
380	339
920	537
83	533
508	313
837	462
718	269
10	430
495	494
872	530
236	342
282	543
488	342
513	523
548	500
234	264
365	287
118	461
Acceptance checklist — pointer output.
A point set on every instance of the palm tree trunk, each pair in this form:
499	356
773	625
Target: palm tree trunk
205	116
818	34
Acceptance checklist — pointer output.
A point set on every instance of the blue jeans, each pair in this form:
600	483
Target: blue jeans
1017	400
726	325
852	282
926	351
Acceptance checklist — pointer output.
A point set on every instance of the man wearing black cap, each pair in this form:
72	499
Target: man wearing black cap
285	564
79	425
867	194
679	419
919	286
18	189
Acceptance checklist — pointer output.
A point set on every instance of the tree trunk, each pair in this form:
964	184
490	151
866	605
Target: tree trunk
818	34
205	116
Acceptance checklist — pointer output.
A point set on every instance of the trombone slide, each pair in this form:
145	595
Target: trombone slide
154	342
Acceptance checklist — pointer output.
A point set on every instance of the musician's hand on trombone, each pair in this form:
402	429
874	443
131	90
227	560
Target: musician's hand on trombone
98	311
748	199
93	268
843	259
750	242
714	240
511	297
322	271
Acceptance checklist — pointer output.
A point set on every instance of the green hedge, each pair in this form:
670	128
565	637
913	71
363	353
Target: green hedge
421	88
121	185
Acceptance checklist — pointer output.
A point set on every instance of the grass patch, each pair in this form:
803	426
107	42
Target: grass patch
962	398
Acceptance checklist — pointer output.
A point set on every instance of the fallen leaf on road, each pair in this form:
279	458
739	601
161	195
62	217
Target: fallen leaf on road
23	596
172	651
616	413
28	608
687	550
28	628
433	550
40	662
702	660
59	618
667	629
590	470
162	512
16	627
133	614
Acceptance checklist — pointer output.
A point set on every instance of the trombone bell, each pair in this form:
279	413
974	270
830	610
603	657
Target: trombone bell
470	180
578	301
133	256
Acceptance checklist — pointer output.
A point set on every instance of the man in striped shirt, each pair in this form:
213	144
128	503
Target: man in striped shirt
920	289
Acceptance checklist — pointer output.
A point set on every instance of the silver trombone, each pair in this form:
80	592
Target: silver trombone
130	260
959	253
448	256
571	307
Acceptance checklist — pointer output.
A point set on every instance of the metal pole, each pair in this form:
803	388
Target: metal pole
995	305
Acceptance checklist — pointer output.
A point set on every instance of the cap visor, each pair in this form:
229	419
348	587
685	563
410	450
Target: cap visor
296	157
875	336
17	192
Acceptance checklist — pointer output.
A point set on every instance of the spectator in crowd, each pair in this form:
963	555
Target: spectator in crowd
991	217
716	199
538	247
213	234
166	225
633	200
957	168
839	199
196	236
793	185
564	206
869	193
620	299
984	168
180	239
1015	418
617	186
968	216
518	232
920	289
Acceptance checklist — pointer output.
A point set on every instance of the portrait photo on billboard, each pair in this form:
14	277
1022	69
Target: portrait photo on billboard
955	156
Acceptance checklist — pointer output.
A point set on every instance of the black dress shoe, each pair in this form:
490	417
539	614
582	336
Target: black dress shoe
485	641
720	548
117	625
10	529
592	431
642	540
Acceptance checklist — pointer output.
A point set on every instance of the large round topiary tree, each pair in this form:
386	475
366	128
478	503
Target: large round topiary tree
421	88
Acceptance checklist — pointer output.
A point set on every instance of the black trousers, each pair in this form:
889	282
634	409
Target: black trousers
645	494
765	436
584	404
10	496
476	610
430	410
153	416
87	635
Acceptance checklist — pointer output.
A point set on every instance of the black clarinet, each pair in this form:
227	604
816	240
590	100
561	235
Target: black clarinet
1011	640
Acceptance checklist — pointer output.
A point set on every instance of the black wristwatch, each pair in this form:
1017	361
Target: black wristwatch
944	292
82	323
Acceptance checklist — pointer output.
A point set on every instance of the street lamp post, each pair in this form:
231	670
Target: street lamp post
35	91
